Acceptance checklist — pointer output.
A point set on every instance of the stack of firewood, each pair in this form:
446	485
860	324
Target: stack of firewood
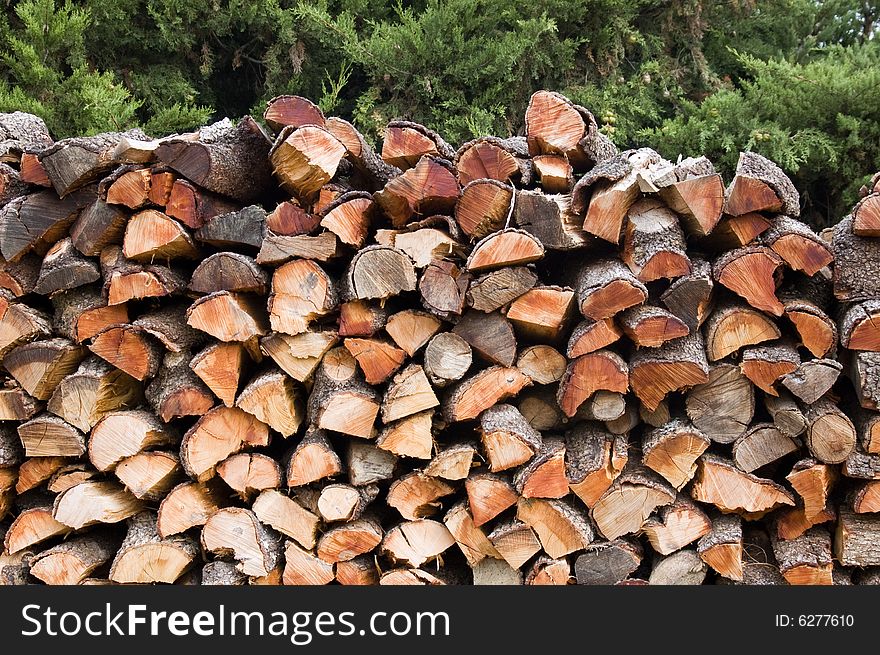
255	355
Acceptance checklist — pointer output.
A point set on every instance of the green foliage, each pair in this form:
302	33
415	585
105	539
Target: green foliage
793	79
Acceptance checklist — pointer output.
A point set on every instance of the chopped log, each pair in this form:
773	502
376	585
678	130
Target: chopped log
193	206
34	472
544	476
761	444
600	370
857	326
343	502
805	560
499	288
428	188
489	494
250	473
93	390
64	268
683	567
292	110
855	541
627	504
468	536
415	495
152	235
412	436
792	523
39	366
145	557
130	349
349	217
227	159
655	417
507	437
412	329
189	505
453	462
468	398
554	125
82	313
690	296
542	313
493	159
484	207
31	170
311	460
359	318
862	372
676	525
423	244
606	193
561	527
36	221
349	540
853	282
540	409
515	541
149	475
606	287
447	358
301	292
675	365
721	483
19	324
33	525
750	273
228	316
812	480
654	245
831	435
798	245
72	163
340	400
722	547
72	561
866	499
289	219
490	335
220	433
16	404
508	247
298	355
591	335
443	287
161	185
543	364
594	459
765	365
608	563
237	532
303	568
408	393
417	542
813	379
50	436
736	231
866	216
760	185
125	280
235	229
273	399
284	514
786	414
229	271
367	464
699	201
651	326
176	391
376	358
379	272
20	277
733	326
861	465
219	366
553	172
551	220
405	142
89	503
672	451
68	476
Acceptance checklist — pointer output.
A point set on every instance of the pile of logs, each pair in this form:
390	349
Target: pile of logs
264	355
